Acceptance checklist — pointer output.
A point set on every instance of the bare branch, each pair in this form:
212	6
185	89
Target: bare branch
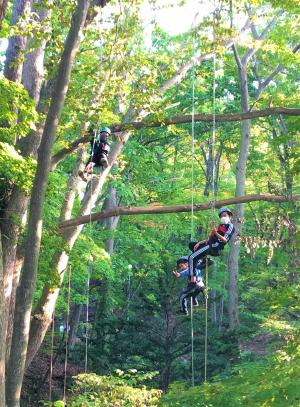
174	208
249	54
226	117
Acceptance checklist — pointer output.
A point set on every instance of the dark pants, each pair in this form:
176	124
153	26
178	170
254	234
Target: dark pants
192	291
203	250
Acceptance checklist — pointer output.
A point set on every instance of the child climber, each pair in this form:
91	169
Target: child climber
218	238
193	289
99	151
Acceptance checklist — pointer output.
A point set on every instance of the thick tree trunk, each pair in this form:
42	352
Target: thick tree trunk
32	247
16	45
111	223
33	71
2	331
43	313
33	67
3	6
74	322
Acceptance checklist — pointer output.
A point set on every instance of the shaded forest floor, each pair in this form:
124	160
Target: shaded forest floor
36	388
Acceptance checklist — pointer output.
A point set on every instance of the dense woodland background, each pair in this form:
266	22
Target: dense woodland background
71	64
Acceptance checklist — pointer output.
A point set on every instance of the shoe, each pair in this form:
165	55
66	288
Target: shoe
82	176
201	265
195	303
104	162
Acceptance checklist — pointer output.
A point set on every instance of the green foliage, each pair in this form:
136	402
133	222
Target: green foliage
112	391
15	169
270	382
17	112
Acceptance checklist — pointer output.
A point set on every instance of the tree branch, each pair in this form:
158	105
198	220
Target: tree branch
258	40
80	220
226	117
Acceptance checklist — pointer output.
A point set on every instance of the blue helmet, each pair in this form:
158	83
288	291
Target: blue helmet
182	259
105	130
224	209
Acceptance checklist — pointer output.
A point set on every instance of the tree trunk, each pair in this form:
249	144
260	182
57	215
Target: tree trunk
2	332
3	6
233	258
33	67
28	278
43	313
16	45
17	206
74	322
111	223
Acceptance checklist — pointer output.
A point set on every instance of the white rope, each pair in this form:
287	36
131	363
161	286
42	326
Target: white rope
51	357
193	143
89	271
67	334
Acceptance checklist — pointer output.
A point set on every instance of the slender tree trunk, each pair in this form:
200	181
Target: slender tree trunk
233	258
16	45
2	331
32	247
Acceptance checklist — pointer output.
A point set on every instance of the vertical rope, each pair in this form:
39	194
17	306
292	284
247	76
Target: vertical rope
51	357
193	142
67	334
212	203
193	190
206	321
87	318
192	338
89	272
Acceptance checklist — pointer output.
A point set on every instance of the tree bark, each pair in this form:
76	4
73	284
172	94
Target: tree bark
33	67
233	257
111	223
2	331
140	210
42	315
3	7
74	322
17	44
32	246
17	206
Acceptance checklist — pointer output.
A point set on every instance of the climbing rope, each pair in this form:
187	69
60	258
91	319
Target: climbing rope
67	336
193	189
89	271
51	357
212	202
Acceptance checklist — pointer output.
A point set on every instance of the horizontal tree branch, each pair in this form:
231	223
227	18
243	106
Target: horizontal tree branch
139	210
202	117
